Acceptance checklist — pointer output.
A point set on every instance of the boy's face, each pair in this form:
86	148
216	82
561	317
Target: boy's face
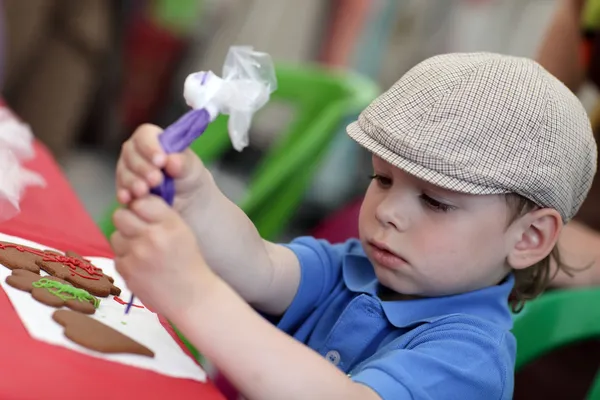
428	241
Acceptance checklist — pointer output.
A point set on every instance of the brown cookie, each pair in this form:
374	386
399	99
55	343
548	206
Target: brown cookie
71	253
49	294
97	336
50	298
80	273
48	290
22	279
14	256
84	307
45	297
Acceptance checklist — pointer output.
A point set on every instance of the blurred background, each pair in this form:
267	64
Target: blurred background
85	73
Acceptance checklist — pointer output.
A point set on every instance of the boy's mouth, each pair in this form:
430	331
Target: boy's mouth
384	256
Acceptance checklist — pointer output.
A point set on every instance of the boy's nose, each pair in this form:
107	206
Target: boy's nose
392	212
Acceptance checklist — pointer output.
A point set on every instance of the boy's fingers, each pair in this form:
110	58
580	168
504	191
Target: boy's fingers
118	244
132	183
181	165
129	224
123	196
175	165
150	209
145	140
145	170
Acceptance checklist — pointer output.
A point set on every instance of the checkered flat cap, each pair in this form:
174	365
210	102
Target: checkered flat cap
483	123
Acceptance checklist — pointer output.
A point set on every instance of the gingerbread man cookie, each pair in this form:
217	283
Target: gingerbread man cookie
71	253
70	267
56	294
80	273
97	336
22	279
14	256
53	292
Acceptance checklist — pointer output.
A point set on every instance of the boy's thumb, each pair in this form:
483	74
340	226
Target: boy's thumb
180	165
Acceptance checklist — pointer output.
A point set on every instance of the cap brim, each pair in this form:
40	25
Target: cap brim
428	175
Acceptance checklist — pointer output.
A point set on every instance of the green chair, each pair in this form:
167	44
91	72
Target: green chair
557	319
321	99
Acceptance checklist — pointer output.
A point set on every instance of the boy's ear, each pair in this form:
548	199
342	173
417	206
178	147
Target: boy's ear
535	235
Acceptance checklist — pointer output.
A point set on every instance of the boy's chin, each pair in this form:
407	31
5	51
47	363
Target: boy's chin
395	283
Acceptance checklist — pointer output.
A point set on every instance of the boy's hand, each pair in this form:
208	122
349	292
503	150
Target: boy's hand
141	163
157	255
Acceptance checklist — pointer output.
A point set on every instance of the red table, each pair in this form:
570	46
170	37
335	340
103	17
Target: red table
31	369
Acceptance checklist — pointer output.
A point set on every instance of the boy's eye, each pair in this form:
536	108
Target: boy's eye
436	205
382	181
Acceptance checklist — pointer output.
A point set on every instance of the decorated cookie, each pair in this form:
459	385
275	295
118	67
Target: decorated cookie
22	279
14	256
53	291
56	294
97	336
71	253
71	267
80	273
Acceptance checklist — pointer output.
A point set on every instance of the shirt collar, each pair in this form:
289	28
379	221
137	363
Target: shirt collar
490	303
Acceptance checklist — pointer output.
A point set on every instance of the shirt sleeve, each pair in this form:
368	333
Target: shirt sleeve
320	272
446	363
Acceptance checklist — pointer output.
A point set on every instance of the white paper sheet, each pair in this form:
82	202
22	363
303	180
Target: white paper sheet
140	324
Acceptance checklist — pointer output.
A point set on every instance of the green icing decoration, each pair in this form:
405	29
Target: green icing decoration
66	292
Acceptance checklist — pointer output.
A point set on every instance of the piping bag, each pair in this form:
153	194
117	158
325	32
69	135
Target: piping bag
248	79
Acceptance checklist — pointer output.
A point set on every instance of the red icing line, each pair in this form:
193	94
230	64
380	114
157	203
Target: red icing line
94	273
121	301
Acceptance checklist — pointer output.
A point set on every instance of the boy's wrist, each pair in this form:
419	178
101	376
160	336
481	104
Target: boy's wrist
207	285
202	188
208	293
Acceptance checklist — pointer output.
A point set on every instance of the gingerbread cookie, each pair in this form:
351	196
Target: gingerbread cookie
97	336
53	292
71	267
22	279
56	294
80	273
14	256
71	253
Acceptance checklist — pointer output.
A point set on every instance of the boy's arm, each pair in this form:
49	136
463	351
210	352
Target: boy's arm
450	360
260	360
579	248
265	274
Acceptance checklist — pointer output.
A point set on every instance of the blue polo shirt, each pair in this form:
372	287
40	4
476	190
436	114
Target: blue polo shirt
452	347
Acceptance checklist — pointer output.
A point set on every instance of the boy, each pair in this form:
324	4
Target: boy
478	161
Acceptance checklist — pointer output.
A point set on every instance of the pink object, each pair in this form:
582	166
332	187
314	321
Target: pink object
342	225
348	19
